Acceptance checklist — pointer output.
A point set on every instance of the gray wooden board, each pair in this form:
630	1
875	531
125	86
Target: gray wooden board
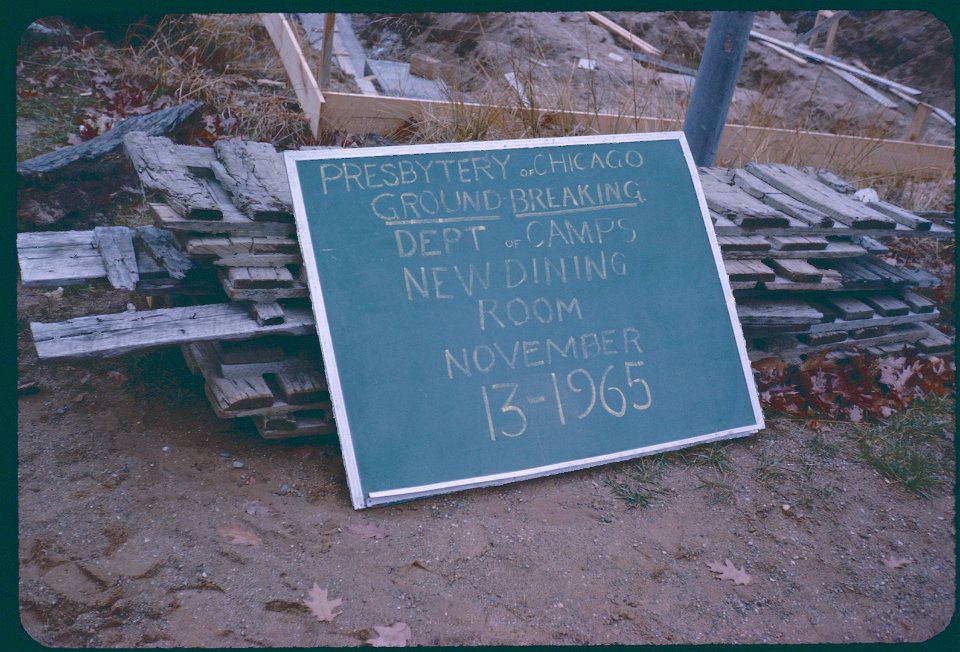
119	333
807	189
267	313
235	394
278	407
162	246
760	189
162	171
888	306
850	308
796	243
901	216
166	217
773	313
298	424
52	259
917	302
798	271
830	179
832	250
781	284
934	341
748	270
736	205
258	260
206	357
296	291
732	244
303	386
855	324
115	244
902	333
231	246
254	175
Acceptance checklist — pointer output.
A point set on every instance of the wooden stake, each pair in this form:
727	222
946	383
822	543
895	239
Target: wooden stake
328	24
921	118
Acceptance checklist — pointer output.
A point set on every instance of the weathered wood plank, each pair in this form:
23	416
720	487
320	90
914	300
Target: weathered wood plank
887	306
748	270
115	244
872	322
632	39
240	393
56	258
239	224
833	181
297	290
162	171
807	189
781	284
297	424
260	277
917	302
155	124
901	216
732	243
254	175
850	308
735	205
799	271
266	313
797	243
934	342
116	334
794	348
303	387
760	189
163	247
775	313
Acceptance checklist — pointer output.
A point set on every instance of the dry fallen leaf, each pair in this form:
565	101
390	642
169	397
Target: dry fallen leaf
368	530
727	571
896	562
395	635
238	536
323	608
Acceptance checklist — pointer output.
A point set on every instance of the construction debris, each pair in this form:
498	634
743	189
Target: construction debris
793	243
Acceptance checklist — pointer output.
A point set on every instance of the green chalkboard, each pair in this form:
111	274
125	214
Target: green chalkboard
496	311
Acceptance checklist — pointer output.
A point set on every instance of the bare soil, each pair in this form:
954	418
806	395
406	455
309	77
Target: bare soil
127	480
122	494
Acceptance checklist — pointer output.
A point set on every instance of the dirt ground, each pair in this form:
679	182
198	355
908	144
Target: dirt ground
124	495
145	521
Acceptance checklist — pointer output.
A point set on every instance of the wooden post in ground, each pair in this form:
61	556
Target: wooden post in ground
921	117
822	15
327	53
716	82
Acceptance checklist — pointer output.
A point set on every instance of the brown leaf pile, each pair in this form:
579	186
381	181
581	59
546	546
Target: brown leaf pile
853	388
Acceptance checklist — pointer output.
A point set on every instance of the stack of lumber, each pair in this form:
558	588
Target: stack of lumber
804	259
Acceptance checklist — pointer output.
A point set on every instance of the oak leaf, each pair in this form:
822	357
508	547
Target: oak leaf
368	530
896	562
395	635
727	571
322	607
238	536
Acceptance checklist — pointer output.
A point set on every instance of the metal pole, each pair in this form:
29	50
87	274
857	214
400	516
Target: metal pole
715	83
